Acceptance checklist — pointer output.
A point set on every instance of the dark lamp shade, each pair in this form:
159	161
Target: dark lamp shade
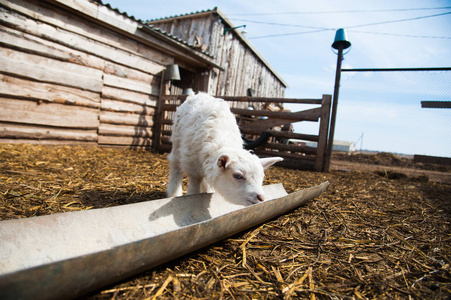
341	40
172	73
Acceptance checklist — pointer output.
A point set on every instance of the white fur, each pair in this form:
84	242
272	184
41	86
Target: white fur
207	147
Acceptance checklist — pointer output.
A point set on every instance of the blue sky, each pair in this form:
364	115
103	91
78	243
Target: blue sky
385	108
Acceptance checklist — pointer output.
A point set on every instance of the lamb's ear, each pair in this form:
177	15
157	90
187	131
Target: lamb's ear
224	161
268	162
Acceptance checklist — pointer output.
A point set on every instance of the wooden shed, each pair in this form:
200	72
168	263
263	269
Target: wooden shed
246	72
83	72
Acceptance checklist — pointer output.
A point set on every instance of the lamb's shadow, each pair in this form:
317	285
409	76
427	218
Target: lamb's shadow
185	210
98	198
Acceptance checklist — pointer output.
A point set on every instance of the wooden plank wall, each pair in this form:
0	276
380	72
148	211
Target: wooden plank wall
64	79
243	69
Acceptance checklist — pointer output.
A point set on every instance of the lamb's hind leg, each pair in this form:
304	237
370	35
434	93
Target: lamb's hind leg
194	185
174	188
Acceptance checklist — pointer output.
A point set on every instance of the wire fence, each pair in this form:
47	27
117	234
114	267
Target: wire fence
380	110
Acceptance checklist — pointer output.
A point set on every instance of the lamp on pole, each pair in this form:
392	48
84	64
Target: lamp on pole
340	43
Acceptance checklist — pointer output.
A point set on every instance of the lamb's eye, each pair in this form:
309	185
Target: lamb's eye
238	176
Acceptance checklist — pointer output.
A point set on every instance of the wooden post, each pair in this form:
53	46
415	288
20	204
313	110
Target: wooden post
159	116
321	162
330	142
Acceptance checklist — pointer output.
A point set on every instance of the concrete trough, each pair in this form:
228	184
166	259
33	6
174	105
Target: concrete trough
70	254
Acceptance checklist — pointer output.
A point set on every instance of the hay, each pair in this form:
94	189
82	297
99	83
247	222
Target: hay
368	236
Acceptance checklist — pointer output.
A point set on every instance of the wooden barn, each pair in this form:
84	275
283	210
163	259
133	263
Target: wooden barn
83	72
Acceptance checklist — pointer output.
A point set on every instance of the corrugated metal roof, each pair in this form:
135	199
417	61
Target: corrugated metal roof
207	11
125	14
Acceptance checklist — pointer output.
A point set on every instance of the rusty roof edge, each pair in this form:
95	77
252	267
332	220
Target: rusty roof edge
182	16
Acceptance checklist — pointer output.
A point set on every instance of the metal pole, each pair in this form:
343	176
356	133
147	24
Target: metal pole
334	108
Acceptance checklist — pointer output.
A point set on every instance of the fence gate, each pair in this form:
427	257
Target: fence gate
267	132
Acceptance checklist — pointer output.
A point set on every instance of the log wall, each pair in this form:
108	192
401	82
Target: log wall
66	80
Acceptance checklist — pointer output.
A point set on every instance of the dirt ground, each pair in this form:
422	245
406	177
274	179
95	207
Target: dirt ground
392	166
375	233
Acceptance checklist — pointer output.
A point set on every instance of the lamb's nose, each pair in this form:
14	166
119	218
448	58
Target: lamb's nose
260	198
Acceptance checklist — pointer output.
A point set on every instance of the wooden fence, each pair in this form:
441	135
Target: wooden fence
257	123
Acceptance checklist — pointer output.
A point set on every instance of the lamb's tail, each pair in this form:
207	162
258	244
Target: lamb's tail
174	188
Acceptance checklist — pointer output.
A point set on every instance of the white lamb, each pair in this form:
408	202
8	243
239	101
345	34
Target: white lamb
207	147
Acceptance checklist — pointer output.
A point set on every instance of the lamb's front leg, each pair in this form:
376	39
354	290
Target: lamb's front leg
194	185
205	187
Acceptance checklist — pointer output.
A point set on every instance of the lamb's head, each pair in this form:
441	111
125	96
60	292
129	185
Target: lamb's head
239	175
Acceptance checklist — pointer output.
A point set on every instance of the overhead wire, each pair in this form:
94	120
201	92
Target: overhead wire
319	29
287	34
402	35
340	11
401	20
